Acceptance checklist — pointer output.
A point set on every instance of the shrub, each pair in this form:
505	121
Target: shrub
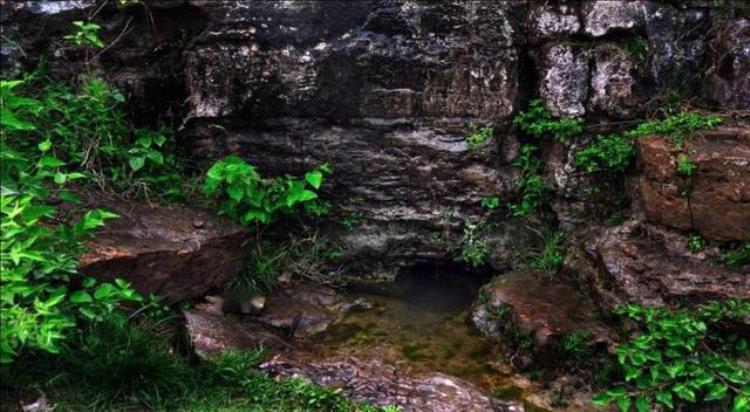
43	296
680	358
738	257
530	189
611	154
478	136
247	197
685	166
539	122
471	247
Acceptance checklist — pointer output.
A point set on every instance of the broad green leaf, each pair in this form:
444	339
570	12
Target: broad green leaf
137	163
741	404
684	392
717	391
641	404
665	398
51	161
314	178
81	297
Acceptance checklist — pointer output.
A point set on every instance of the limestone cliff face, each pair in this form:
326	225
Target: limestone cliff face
385	90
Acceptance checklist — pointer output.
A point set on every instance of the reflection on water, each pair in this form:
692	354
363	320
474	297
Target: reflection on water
423	325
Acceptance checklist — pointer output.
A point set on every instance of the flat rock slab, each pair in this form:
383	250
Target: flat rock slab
377	383
175	252
648	265
545	307
303	310
211	332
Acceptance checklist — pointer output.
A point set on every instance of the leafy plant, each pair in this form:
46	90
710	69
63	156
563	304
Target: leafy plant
249	198
478	136
471	247
530	189
42	294
539	122
575	346
551	257
611	154
87	130
738	257
696	243
87	33
685	166
681	358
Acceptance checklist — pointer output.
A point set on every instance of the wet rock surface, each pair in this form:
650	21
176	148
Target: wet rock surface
211	332
648	265
376	383
302	311
159	250
538	304
715	200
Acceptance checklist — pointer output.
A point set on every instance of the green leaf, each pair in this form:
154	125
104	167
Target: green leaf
623	403
44	145
665	398
155	157
60	178
741	404
602	399
717	391
81	297
51	161
684	392
314	178
641	404
137	163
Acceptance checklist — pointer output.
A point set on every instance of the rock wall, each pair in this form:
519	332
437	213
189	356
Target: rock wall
385	90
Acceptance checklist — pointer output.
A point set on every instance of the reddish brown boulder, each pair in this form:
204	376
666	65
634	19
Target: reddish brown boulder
718	206
175	252
547	308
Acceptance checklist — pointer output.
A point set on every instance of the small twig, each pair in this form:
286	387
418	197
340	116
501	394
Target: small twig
116	40
98	9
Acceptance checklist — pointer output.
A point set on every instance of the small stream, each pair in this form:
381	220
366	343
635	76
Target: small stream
422	323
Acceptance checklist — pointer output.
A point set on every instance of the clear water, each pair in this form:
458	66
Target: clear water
422	324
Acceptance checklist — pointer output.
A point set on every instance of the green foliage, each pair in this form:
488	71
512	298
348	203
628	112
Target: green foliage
737	257
576	347
539	122
491	202
685	166
677	126
247	197
478	136
471	246
611	154
682	358
86	129
530	189
86	33
637	47
551	257
696	243
43	295
119	366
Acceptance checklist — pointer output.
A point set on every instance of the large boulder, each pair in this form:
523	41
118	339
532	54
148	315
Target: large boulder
539	305
377	383
715	200
175	252
651	265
